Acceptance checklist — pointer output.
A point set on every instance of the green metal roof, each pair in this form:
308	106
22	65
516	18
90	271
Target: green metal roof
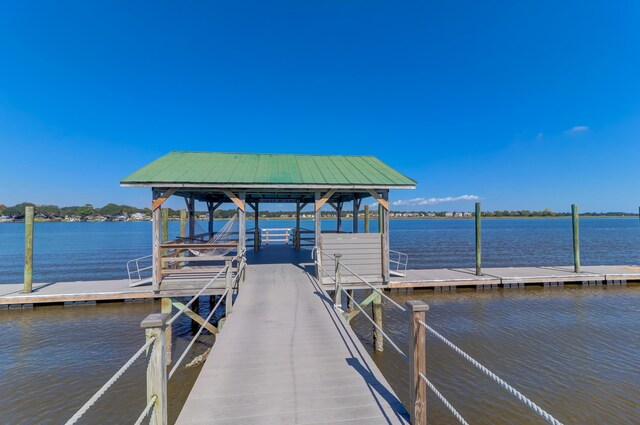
211	168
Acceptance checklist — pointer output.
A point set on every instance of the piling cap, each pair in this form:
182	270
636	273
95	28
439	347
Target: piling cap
416	305
155	320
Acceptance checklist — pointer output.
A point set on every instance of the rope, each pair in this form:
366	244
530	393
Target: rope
187	305
404	356
193	340
109	383
146	410
368	284
530	404
444	401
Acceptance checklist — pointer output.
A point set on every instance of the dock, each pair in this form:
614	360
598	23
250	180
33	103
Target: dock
83	292
287	356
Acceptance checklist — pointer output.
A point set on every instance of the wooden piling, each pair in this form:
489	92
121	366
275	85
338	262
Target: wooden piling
183	222
154	327
350	300
576	238
166	307
378	339
478	240
28	248
417	361
380	222
366	218
165	224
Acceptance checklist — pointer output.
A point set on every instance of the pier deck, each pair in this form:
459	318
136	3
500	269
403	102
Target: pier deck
286	356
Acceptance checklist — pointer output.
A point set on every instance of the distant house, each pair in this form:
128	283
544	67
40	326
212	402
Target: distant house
5	219
139	216
448	214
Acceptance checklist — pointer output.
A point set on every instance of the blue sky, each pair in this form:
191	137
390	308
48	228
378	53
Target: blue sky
527	105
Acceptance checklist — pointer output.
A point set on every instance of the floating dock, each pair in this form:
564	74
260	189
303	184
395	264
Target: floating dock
82	292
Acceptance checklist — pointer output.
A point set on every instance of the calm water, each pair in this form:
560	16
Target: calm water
573	350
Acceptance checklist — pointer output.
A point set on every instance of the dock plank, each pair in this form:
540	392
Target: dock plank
285	356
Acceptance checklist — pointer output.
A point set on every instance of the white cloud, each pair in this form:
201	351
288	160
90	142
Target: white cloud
578	129
433	201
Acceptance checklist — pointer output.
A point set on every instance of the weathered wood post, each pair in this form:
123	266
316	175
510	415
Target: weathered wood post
154	327
256	228
298	224
166	307
380	220
337	294
339	217
417	361
317	234
28	248
165	224
228	301
183	222
356	214
156	238
478	240
366	218
576	238
378	339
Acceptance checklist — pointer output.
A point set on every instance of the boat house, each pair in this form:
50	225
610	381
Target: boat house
250	180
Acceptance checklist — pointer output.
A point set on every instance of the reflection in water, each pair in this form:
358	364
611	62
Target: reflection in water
572	350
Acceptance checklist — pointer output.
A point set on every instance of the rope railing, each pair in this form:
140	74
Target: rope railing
443	399
146	410
530	404
193	340
109	383
195	297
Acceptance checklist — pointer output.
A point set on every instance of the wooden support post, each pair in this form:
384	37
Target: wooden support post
339	217
166	307
317	232
165	224
228	301
297	241
376	306
154	327
366	218
356	212
576	238
417	361
242	224
380	225
183	222
28	248
337	294
256	228
192	216
478	240
385	236
156	236
212	212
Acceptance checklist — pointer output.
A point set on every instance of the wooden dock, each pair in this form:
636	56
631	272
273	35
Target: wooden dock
82	292
286	356
515	276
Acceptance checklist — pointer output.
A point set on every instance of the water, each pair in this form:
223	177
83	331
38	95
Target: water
573	350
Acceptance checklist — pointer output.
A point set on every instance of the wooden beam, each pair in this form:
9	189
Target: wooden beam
380	199
236	200
155	204
195	317
351	314
323	200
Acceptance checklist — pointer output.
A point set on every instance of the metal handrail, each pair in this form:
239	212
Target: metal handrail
138	271
401	262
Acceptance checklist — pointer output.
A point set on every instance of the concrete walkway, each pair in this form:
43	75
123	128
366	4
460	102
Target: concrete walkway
285	356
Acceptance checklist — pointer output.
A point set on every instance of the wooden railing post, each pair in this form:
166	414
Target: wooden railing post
28	248
337	295
154	326
417	361
576	238
228	302
378	338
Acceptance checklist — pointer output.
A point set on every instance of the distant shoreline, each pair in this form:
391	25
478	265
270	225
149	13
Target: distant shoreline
345	219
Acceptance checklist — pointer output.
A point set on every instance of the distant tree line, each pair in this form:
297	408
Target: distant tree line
110	210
